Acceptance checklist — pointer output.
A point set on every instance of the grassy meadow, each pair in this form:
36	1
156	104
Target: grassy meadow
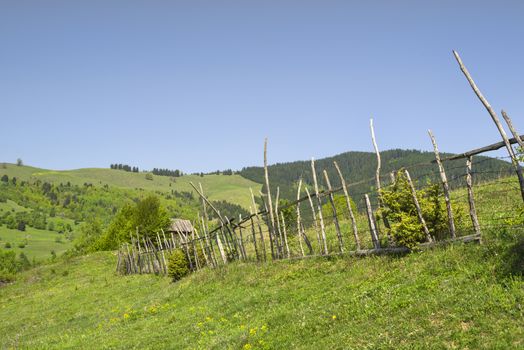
231	188
459	296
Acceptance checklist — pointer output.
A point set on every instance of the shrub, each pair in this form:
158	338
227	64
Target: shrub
401	212
21	245
7	245
177	265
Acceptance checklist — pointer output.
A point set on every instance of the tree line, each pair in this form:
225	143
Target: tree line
124	167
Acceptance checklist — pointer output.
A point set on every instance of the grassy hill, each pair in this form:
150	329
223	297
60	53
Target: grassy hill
230	188
460	296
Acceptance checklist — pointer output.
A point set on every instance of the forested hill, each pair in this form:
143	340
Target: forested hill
361	166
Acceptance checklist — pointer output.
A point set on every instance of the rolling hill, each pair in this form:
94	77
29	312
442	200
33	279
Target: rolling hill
230	188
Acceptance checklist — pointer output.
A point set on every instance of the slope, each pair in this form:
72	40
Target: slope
456	297
231	188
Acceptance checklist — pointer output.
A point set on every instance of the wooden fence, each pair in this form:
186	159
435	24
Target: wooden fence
319	225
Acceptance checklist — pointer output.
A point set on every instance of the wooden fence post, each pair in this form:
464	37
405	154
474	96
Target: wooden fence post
512	129
319	206
377	180
278	236
201	246
471	199
269	201
417	206
258	224
372	226
348	203
495	119
284	231
314	219
241	241
443	177
299	225
254	234
334	208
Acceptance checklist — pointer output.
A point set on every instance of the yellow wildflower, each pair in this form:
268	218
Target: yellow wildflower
334	317
253	331
247	346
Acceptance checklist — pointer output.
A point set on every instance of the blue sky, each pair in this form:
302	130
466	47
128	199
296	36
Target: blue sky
197	85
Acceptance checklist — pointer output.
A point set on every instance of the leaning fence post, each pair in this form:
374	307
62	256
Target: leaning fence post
471	199
512	129
241	241
496	120
417	206
334	208
319	206
372	226
445	185
348	203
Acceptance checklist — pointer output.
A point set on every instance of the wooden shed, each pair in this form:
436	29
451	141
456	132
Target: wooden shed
181	226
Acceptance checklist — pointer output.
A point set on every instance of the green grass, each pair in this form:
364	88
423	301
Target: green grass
9	205
460	296
231	188
40	243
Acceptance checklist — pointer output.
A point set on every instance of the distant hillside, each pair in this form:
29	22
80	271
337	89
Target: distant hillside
361	166
230	188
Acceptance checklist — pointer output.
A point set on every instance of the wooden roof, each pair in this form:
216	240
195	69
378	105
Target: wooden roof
181	225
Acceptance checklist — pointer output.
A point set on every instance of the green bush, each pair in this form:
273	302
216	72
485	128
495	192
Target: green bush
177	265
401	212
7	245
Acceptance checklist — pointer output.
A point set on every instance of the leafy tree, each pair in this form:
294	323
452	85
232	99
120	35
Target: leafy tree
5	178
147	214
19	162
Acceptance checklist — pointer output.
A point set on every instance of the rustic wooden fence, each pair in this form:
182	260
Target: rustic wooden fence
319	225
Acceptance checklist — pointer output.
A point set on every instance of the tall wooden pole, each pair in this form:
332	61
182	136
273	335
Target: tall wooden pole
334	208
495	119
417	206
443	177
299	224
268	192
348	203
278	236
377	180
319	207
471	199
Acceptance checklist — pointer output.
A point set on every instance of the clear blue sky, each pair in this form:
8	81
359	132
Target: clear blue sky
197	85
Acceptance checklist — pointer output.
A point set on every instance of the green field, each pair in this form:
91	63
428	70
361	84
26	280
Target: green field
231	188
462	296
39	245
